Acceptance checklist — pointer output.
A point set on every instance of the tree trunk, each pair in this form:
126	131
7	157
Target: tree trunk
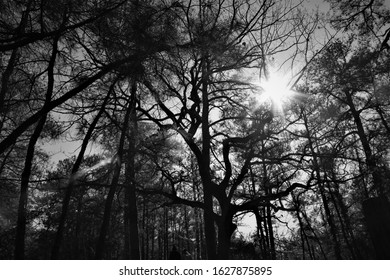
69	188
260	235
204	168
22	207
270	233
266	233
342	215
198	224
304	215
153	237
268	216
100	246
165	234
146	231
377	215
370	159
132	250
209	227
225	230
330	222
328	213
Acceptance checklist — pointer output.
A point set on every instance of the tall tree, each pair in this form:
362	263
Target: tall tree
22	210
212	99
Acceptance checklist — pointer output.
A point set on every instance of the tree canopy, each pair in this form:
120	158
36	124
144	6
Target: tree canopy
184	123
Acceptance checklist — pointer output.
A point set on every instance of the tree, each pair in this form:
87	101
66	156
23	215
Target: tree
21	223
144	34
212	101
353	89
367	18
349	77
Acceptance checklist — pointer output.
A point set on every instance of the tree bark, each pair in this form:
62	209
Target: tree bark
268	216
204	169
370	159
377	214
131	213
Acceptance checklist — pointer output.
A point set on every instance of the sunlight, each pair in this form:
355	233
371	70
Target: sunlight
102	163
276	90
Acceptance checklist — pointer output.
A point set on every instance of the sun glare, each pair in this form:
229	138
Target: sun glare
276	90
102	163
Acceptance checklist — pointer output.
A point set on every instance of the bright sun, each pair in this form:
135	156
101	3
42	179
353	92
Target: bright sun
276	90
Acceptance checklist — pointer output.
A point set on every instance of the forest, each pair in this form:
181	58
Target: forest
226	129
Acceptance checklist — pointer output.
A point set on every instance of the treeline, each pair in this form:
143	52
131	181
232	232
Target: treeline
174	145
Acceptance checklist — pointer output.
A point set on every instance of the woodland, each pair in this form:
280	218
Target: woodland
183	120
